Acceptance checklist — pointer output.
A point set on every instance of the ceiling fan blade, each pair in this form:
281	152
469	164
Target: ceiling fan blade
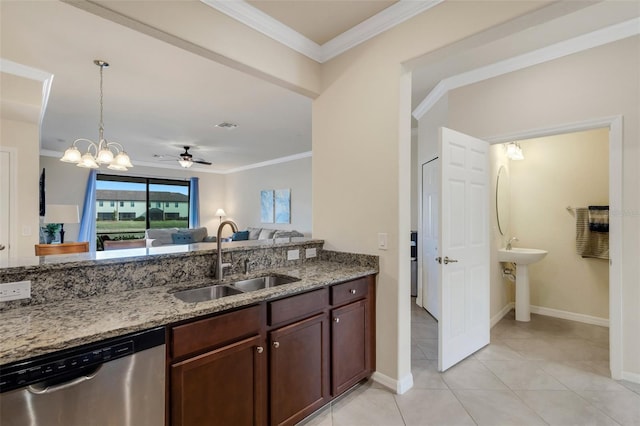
208	163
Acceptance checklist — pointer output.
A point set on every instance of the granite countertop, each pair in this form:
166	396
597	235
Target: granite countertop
41	329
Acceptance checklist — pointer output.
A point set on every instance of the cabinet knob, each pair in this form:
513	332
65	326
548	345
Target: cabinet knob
276	345
352	291
260	349
336	320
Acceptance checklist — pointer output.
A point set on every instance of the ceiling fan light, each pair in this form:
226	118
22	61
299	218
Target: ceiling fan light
122	159
71	155
105	156
185	163
87	161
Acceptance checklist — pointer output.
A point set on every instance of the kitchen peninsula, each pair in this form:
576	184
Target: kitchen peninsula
85	298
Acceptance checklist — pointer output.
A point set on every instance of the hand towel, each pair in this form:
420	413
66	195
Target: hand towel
590	244
599	218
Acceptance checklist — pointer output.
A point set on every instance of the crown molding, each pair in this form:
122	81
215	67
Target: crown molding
280	160
573	45
265	24
386	19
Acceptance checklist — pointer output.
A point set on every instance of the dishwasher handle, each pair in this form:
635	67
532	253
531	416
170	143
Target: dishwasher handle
42	388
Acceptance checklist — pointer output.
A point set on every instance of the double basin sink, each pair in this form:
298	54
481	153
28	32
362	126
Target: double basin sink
238	287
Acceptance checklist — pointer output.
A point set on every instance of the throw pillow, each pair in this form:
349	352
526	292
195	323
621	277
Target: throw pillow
254	233
198	234
240	236
181	238
266	234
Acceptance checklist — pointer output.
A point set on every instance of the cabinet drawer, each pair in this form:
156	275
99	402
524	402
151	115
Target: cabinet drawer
215	331
349	291
297	307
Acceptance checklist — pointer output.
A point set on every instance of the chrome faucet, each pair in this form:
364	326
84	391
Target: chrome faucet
510	241
221	266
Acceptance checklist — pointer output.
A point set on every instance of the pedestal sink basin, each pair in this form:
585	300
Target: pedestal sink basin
522	257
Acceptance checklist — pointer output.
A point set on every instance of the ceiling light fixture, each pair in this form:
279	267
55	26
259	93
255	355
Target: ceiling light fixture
111	153
514	152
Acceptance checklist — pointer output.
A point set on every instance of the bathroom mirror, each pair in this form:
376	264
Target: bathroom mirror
502	200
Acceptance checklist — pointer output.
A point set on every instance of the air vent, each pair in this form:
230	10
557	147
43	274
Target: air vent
226	125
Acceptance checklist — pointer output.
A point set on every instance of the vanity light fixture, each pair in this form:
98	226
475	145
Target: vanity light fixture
103	152
514	152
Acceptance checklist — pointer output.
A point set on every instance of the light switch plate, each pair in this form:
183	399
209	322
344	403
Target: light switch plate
15	291
382	241
310	252
293	254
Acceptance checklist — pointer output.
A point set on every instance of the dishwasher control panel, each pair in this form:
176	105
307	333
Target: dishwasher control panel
75	361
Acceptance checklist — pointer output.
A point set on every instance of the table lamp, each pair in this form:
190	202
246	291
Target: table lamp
62	213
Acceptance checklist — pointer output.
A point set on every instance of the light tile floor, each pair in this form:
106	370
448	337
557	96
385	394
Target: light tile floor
546	372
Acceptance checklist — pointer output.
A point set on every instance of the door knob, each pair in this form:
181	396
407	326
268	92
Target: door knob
337	320
352	291
260	349
1	247
276	345
446	260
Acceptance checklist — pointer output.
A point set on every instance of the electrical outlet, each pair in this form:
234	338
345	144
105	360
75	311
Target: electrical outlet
293	254
14	291
310	252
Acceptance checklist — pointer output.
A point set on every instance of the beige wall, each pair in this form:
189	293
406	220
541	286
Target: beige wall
597	83
242	202
24	138
361	156
559	171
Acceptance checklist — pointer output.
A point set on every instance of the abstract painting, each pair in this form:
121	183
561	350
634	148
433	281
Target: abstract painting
283	205
266	206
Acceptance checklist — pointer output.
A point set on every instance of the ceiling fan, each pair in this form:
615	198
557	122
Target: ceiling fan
186	160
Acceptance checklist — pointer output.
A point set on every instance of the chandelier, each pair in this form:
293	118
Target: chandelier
103	152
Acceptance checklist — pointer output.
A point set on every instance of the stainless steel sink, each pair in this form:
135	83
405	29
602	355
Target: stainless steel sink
206	293
263	282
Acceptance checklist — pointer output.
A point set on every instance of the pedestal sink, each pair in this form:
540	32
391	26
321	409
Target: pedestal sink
522	257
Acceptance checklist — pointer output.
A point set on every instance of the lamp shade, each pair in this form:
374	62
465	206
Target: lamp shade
220	213
62	213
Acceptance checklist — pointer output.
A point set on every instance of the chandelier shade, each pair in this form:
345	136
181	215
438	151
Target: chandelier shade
102	152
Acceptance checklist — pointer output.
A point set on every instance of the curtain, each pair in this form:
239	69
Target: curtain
194	205
88	222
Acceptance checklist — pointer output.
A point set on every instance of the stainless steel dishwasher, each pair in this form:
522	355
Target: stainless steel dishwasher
116	382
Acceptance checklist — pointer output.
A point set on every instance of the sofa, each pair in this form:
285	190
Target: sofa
166	236
267	234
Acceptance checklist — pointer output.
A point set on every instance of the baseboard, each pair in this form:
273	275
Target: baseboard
504	311
588	319
631	377
397	386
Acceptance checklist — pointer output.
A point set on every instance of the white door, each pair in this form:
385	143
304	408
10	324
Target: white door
464	247
431	232
4	205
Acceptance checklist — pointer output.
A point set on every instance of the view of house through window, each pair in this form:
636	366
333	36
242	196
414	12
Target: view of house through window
126	206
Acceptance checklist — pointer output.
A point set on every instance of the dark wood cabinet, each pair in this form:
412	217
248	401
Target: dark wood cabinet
226	386
350	361
272	363
299	369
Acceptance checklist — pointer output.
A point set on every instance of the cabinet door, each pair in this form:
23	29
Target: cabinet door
350	361
299	369
226	386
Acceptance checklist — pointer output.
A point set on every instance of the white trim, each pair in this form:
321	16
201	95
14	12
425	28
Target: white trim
504	311
13	194
31	73
397	386
631	377
557	313
258	20
615	125
158	165
564	48
386	19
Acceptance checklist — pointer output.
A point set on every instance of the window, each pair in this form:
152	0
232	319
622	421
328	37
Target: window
143	193
176	205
